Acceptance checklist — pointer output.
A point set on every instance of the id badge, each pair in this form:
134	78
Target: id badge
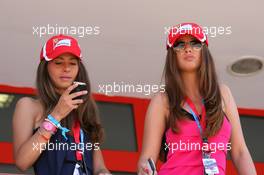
210	166
77	169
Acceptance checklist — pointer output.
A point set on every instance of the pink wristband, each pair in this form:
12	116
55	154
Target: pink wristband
49	127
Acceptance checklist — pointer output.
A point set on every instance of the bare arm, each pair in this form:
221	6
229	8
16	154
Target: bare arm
239	151
26	145
155	123
98	163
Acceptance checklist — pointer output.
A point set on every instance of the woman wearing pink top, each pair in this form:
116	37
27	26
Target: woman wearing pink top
195	121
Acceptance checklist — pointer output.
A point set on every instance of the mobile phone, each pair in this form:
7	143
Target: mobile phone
151	165
81	87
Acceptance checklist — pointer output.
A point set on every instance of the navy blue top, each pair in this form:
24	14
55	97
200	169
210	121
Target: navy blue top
61	161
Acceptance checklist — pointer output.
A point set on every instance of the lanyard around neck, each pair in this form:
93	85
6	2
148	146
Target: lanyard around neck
77	132
201	125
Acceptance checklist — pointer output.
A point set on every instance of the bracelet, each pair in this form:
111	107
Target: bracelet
46	119
43	136
53	120
58	125
49	127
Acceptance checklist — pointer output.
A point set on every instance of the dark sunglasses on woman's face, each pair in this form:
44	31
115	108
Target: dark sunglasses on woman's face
180	45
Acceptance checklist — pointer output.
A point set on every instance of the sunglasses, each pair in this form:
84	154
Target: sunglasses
180	46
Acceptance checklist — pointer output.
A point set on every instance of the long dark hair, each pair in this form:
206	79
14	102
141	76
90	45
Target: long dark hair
208	88
87	112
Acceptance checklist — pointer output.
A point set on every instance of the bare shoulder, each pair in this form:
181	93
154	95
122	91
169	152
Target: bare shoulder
228	103
27	107
27	102
225	90
160	100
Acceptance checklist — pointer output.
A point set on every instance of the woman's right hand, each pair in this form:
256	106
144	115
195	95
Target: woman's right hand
144	169
66	103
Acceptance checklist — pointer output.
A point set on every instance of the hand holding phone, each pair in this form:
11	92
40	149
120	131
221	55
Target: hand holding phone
67	102
81	86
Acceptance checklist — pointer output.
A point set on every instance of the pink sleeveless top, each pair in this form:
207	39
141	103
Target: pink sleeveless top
184	156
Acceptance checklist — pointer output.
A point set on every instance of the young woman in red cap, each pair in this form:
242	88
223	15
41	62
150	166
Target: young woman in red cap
59	132
195	122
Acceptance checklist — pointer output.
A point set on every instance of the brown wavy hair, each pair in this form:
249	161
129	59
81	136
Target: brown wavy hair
208	88
87	112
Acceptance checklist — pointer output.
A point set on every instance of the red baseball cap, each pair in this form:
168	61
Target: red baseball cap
58	45
186	28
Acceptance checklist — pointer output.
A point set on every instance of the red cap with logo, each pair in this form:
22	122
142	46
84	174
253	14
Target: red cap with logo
58	45
186	28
